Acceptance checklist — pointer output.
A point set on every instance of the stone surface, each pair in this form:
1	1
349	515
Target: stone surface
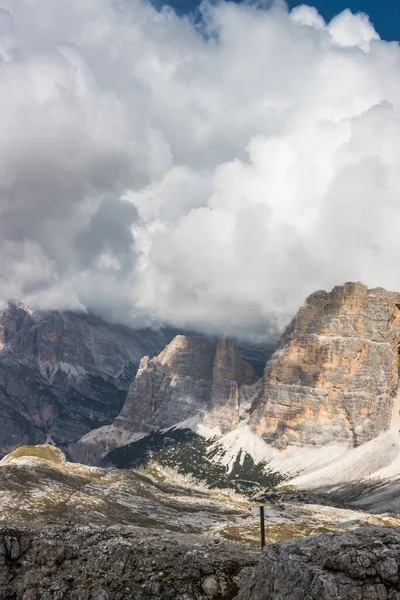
192	377
361	565
335	372
117	564
63	374
66	563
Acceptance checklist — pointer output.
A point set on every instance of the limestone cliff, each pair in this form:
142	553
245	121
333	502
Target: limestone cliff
192	377
63	374
335	372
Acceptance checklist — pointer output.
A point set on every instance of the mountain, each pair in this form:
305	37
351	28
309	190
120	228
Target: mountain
335	372
329	387
63	374
192	376
318	433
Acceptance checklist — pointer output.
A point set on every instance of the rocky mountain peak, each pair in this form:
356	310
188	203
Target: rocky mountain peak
335	373
193	379
191	376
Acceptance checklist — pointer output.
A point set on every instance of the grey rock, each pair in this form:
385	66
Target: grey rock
63	374
92	564
360	565
210	587
192	377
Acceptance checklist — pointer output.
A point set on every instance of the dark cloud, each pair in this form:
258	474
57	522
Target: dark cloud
207	175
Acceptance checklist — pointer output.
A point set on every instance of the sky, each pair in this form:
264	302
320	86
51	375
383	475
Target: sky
206	173
384	14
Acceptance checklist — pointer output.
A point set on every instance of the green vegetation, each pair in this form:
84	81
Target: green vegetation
189	454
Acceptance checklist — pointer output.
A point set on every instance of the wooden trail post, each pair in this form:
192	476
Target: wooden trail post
262	527
260	510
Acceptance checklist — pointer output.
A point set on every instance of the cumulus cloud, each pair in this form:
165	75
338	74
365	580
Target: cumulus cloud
206	173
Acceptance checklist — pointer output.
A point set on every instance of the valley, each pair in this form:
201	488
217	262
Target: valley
120	450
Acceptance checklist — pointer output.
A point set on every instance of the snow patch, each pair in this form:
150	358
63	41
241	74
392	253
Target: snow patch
197	425
242	441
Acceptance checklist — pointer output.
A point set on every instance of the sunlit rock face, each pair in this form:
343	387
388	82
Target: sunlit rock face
335	372
63	374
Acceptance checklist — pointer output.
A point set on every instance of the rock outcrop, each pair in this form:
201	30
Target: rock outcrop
335	372
193	377
67	563
63	374
361	565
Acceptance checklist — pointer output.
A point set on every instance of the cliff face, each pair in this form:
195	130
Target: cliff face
192	378
63	374
335	372
192	375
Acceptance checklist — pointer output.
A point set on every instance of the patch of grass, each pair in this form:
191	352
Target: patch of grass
275	533
45	452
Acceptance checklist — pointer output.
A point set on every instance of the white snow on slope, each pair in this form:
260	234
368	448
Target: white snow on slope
241	441
377	460
198	425
289	462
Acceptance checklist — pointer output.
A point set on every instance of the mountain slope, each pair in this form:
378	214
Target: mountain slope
38	486
63	374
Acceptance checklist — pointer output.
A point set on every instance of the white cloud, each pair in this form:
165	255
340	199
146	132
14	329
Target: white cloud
210	175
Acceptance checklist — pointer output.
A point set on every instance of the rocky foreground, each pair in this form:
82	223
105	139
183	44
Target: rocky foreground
117	563
70	531
362	565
